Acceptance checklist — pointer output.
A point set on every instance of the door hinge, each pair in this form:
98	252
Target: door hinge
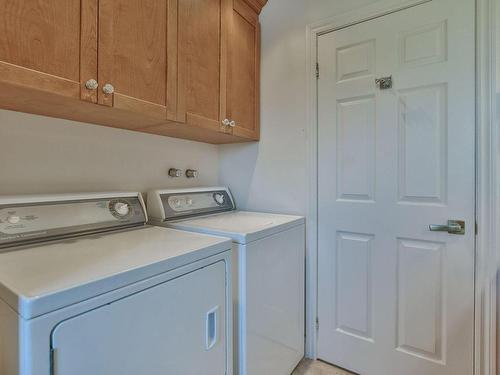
476	228
317	70
317	324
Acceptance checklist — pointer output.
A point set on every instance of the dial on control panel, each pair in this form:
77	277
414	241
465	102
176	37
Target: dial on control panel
122	209
220	199
13	219
119	209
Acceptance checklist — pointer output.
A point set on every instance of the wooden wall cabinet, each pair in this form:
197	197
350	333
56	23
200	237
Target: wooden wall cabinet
181	68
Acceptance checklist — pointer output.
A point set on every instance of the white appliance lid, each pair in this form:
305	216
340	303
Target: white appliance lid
241	226
44	278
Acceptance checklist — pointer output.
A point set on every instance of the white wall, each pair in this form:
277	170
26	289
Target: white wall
45	155
272	175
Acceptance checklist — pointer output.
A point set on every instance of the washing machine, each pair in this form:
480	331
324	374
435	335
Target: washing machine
86	287
268	272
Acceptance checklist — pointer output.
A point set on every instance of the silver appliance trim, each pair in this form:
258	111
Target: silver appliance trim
34	222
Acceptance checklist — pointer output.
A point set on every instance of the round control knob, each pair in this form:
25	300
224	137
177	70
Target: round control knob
219	198
177	203
13	219
189	202
121	208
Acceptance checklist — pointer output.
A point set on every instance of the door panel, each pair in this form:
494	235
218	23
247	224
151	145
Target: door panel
40	44
198	28
356	148
174	328
243	76
42	35
132	55
419	310
395	298
423	141
353	294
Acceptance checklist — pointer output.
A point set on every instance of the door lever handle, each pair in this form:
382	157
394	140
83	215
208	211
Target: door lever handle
453	227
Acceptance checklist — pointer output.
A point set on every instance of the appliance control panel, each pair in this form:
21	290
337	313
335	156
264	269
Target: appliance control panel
23	222
183	204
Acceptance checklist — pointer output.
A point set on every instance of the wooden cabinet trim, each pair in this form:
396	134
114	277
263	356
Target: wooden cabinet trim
46	103
19	76
246	11
88	48
192	119
104	50
172	62
193	133
226	29
147	109
256	5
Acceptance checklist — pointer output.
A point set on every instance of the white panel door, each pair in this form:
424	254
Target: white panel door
175	328
394	297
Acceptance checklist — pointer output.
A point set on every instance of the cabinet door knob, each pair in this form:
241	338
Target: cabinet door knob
226	122
232	124
108	89
91	84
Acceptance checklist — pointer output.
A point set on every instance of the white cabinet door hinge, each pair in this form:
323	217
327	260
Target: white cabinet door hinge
317	70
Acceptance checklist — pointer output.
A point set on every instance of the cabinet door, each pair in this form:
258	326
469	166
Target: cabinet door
49	45
133	56
197	54
243	74
178	327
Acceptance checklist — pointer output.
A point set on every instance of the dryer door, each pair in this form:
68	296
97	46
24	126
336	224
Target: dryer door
174	328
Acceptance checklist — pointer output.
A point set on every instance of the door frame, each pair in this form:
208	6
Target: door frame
487	249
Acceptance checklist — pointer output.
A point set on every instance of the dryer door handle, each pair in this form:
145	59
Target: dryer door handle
212	328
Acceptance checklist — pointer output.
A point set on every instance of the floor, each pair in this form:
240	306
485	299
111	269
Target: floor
309	367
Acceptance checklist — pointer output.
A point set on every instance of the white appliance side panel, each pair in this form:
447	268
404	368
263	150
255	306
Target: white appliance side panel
178	327
9	340
271	284
237	302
